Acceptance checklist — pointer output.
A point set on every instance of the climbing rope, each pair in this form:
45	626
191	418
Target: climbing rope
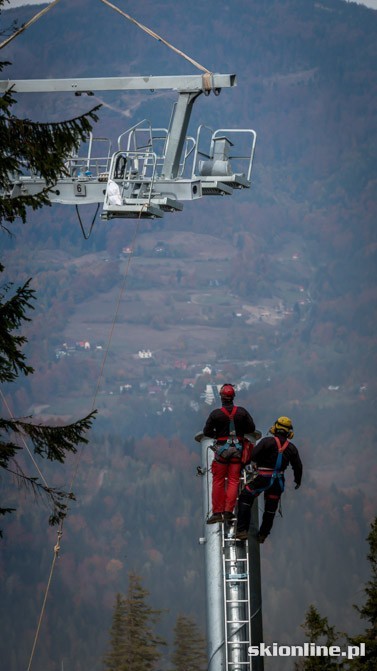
104	358
56	554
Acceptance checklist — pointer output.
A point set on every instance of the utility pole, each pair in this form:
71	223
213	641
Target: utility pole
233	585
213	568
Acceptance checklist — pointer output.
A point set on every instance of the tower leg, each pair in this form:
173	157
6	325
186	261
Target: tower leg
255	590
213	571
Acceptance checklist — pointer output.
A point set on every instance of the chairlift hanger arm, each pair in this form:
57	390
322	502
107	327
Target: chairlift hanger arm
187	83
189	87
154	174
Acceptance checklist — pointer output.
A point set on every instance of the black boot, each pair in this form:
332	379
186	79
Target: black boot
215	518
260	537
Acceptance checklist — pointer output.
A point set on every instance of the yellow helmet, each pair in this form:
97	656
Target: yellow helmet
283	424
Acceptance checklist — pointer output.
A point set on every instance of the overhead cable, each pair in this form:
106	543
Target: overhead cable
156	37
29	23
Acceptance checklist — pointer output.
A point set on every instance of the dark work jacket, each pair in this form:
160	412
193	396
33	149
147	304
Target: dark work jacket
217	424
265	454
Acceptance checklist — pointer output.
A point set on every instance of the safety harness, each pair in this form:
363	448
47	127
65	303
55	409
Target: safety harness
276	473
232	440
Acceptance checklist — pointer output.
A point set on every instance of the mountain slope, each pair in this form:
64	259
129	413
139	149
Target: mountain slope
295	257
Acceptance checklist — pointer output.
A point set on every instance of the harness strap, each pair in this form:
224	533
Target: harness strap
268	473
279	460
231	413
232	439
232	428
277	473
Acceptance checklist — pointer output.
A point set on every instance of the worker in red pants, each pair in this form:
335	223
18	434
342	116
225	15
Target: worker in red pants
228	425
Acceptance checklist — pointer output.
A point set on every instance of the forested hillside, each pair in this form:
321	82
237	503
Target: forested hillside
273	289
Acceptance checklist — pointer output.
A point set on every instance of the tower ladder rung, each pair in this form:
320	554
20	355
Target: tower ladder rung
236	588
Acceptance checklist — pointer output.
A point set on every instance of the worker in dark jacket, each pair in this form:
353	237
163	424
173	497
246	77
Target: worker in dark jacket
228	425
271	455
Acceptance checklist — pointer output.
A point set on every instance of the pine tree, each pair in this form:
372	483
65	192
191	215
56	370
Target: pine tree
368	612
133	641
114	658
319	632
41	148
189	646
49	442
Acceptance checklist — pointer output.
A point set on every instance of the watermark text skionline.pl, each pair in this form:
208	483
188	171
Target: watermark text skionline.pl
306	650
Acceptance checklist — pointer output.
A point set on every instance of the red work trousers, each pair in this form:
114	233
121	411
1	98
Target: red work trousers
225	481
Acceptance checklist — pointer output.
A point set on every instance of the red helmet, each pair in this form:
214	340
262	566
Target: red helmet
228	392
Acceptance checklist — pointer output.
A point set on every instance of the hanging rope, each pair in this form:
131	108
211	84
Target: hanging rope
29	23
79	456
156	37
121	292
56	554
86	235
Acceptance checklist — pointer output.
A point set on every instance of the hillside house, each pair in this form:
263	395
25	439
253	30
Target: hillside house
144	354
